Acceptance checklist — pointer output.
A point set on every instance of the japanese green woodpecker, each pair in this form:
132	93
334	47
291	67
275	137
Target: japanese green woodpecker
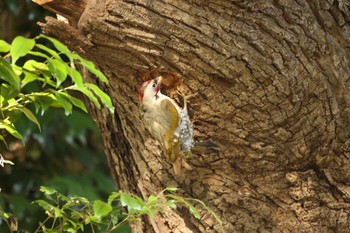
167	122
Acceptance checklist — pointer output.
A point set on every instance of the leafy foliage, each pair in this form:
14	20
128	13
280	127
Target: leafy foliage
68	147
66	155
50	76
75	214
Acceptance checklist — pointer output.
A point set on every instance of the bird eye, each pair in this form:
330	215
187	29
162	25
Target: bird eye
154	85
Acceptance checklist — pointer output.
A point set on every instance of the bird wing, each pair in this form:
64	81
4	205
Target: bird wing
171	114
171	119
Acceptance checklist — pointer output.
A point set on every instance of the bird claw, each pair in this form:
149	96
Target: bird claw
185	97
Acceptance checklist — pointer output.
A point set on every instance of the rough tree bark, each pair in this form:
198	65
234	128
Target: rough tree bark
272	78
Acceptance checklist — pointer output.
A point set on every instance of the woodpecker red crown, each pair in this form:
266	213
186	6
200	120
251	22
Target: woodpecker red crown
142	88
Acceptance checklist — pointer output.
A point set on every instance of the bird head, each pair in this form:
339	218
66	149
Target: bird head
150	88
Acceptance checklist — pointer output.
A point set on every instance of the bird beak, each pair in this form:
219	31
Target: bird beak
159	81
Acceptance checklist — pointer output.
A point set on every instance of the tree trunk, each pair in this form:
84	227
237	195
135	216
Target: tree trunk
273	82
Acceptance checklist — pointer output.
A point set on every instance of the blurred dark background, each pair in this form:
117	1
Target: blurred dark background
66	155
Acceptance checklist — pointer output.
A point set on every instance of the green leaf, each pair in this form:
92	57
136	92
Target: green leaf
6	215
58	45
43	100
171	203
113	197
52	52
20	47
68	205
10	129
79	200
151	211
8	74
47	190
64	197
38	54
30	116
44	204
75	76
3	140
47	230
92	219
33	71
7	93
133	203
91	67
152	198
194	211
72	226
12	114
171	188
4	46
63	99
77	214
28	78
208	209
58	212
88	93
77	103
33	65
105	99
58	70
101	208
